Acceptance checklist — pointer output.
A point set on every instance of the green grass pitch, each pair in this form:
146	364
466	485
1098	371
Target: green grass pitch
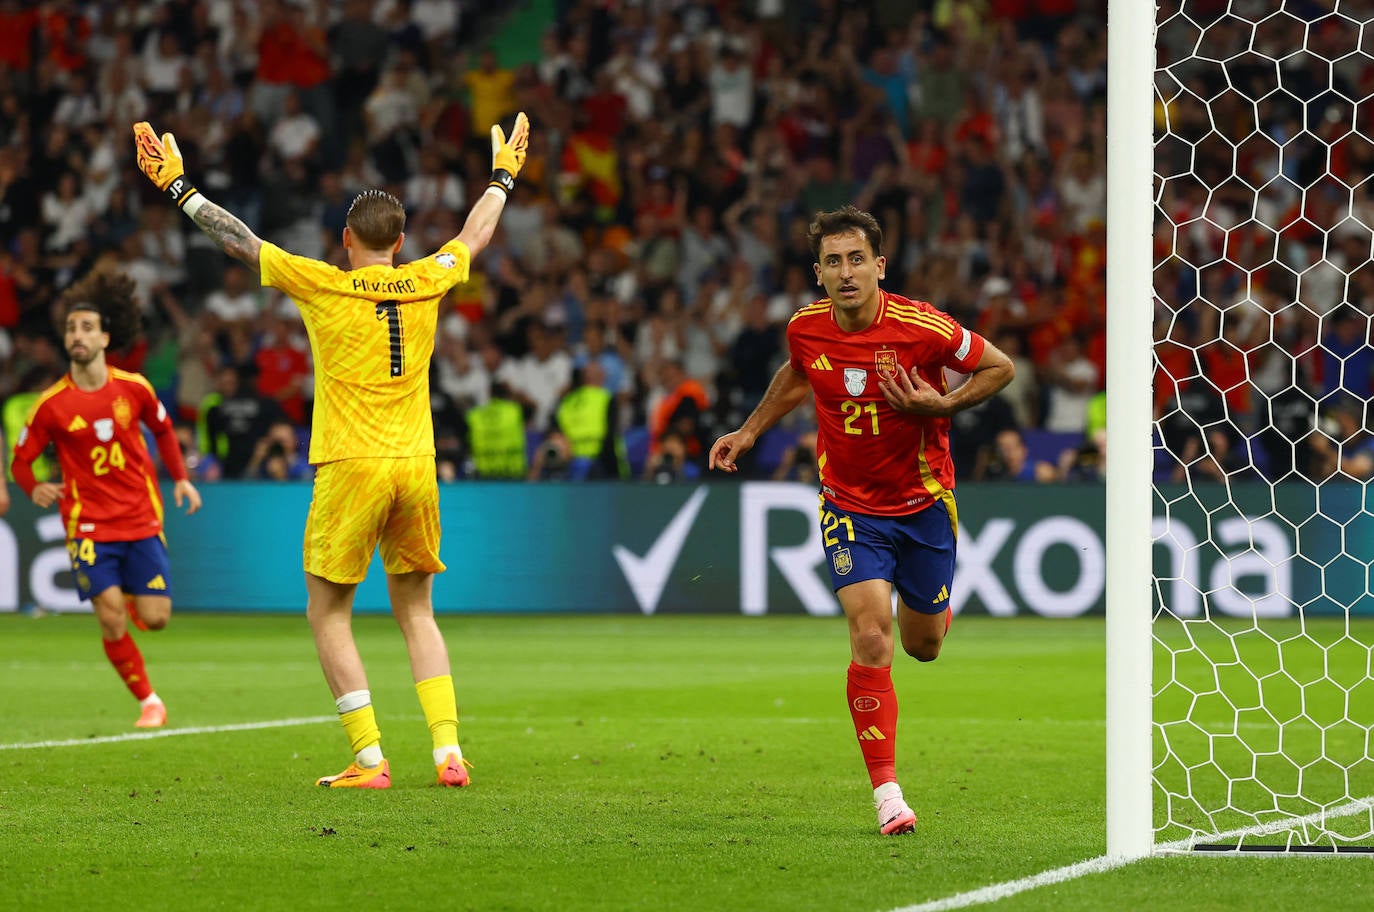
662	763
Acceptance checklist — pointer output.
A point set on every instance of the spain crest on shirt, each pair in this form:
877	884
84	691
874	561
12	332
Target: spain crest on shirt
123	412
887	362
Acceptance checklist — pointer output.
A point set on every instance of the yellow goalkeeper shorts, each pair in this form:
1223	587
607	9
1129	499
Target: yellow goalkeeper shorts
359	504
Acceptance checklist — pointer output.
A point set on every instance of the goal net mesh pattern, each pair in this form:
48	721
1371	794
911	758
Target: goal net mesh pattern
1263	699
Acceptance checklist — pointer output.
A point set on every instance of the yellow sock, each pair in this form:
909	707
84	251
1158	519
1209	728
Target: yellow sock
360	725
441	709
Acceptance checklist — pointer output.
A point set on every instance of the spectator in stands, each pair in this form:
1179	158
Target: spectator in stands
671	463
754	355
15	412
1343	444
496	436
588	424
277	456
542	375
240	418
67	214
492	88
359	49
1010	460
1023	392
973	435
1070	380
1193	427
393	125
200	466
798	462
680	407
295	136
1347	359
283	367
236	301
461	373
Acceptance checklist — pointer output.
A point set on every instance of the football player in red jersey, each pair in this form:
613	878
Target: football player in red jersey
108	495
875	362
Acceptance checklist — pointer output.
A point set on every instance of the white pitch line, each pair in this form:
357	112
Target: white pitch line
1104	863
169	733
1012	887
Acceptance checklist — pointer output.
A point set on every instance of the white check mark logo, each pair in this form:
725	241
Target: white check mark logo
648	575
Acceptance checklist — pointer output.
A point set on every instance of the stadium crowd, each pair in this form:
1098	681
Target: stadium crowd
633	303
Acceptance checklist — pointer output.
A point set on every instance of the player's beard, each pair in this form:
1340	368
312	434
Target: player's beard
88	355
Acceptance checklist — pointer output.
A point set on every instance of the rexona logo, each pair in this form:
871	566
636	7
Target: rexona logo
1052	565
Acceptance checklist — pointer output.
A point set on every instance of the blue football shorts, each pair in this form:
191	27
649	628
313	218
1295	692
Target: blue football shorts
137	567
914	552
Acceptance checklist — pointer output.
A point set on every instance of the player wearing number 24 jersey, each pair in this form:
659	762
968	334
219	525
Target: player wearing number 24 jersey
109	483
875	363
108	496
371	330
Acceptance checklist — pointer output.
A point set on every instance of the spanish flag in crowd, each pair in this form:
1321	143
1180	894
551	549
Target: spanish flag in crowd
590	161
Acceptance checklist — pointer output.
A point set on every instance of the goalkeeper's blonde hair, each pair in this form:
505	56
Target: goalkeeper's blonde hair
376	219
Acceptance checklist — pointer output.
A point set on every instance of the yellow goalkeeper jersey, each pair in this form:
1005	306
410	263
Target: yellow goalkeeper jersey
371	334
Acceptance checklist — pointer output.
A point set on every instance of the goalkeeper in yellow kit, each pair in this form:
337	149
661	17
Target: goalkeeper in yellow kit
371	331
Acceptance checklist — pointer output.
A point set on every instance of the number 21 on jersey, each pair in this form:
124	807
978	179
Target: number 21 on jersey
854	422
830	526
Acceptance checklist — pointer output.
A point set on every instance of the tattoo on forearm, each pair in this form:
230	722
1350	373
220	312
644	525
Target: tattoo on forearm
228	231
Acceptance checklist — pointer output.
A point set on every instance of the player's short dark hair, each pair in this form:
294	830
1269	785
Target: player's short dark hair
110	295
376	219
838	221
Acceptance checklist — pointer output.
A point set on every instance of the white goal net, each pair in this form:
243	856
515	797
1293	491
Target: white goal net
1263	699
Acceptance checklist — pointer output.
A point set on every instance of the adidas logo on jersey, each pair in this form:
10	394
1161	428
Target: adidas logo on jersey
78	424
157	582
821	364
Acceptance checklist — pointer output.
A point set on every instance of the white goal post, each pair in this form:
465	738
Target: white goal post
1240	509
1130	100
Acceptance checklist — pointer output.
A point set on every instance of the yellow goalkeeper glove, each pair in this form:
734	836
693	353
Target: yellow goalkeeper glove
160	160
508	156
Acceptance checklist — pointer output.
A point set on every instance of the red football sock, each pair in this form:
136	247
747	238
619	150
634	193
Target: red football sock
873	704
128	663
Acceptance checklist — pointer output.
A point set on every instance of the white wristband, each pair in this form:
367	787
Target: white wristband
193	205
492	190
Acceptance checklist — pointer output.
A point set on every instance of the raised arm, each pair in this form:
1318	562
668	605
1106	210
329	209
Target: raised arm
507	158
160	160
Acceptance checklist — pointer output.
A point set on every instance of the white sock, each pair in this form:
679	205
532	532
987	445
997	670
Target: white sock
370	756
441	753
150	699
885	791
354	699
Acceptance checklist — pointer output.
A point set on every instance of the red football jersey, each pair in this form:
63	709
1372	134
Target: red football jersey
109	483
870	457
